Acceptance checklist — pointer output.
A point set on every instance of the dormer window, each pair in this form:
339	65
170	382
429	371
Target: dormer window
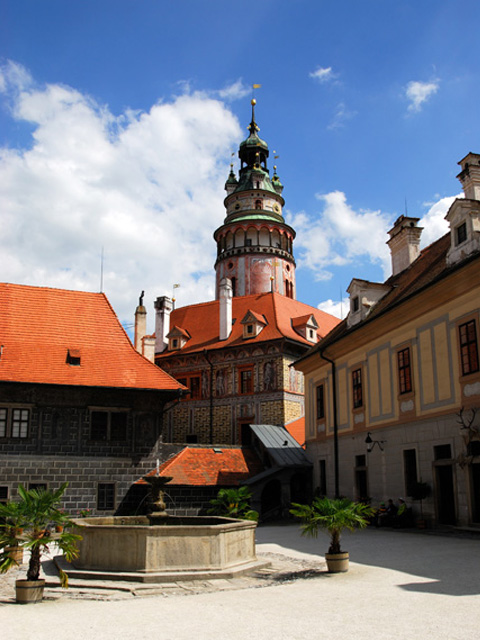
306	326
461	233
253	323
177	338
364	295
73	357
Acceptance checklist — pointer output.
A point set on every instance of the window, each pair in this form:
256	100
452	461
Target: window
468	347
191	438
14	423
194	383
442	452
320	402
3	495
249	329
195	387
355	304
404	371
357	388
461	233
246	381
248	242
108	425
410	470
106	496
38	486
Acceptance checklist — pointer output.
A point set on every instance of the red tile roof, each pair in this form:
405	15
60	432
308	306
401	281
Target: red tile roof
202	321
39	327
200	466
296	428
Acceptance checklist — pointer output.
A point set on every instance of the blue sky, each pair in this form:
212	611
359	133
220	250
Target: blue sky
118	119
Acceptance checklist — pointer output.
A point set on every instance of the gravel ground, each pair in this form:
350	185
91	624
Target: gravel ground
401	585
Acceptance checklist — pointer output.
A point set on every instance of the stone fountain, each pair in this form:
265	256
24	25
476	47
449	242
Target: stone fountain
163	548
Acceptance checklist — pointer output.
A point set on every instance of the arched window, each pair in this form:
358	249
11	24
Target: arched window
258	204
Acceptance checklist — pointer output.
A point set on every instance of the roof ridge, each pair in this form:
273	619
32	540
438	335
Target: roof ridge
43	288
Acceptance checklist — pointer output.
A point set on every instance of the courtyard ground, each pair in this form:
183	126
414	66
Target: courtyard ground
401	584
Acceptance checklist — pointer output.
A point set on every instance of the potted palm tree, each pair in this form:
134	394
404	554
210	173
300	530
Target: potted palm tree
333	515
29	525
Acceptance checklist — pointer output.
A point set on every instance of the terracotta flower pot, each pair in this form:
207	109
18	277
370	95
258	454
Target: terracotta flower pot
337	562
29	591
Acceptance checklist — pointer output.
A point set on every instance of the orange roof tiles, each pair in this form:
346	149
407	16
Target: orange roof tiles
39	327
296	428
202	321
201	466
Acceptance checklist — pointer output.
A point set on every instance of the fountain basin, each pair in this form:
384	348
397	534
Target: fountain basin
180	548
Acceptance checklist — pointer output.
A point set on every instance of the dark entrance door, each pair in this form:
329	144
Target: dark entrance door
445	494
475	488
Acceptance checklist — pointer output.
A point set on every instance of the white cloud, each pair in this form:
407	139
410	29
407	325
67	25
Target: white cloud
323	74
341	116
339	235
144	185
433	222
234	91
342	236
335	308
419	92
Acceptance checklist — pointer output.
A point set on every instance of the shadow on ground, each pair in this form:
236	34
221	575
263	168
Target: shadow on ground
446	564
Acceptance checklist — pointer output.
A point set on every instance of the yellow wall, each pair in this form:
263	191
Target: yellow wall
429	327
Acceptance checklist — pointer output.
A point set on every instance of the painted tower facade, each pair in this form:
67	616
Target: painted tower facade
254	244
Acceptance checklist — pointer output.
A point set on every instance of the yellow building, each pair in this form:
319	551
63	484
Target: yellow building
393	392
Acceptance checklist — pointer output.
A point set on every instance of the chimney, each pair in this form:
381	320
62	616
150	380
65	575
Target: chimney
140	324
148	348
404	243
163	308
226	294
470	176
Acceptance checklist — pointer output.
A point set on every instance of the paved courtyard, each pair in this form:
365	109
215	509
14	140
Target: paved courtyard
401	584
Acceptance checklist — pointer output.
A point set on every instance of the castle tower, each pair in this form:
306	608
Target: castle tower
254	245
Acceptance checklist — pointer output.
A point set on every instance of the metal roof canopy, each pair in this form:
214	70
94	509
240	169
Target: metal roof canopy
281	446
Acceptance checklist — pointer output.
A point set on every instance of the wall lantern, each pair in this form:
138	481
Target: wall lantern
371	443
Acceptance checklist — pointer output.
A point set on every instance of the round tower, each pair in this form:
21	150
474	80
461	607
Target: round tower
254	245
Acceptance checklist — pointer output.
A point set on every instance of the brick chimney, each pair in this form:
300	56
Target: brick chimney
226	294
163	308
404	243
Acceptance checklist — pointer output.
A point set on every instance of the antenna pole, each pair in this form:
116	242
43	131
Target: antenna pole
101	272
